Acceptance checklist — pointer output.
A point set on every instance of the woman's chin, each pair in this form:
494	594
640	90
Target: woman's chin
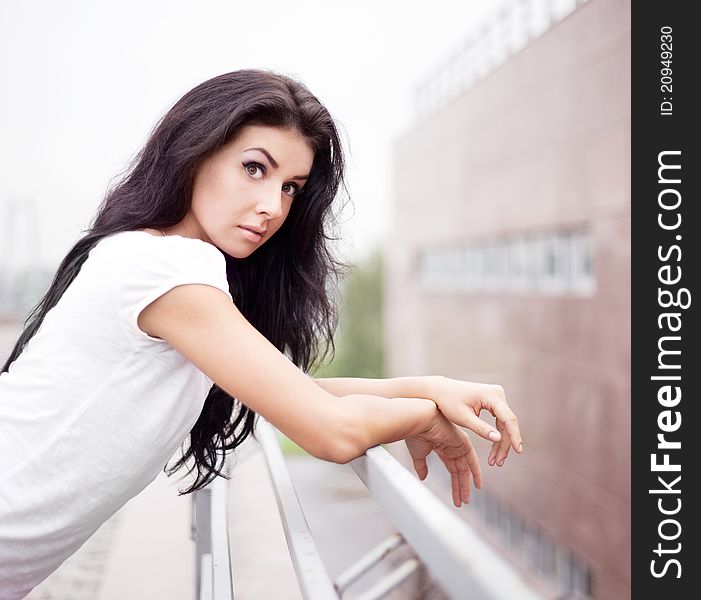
236	251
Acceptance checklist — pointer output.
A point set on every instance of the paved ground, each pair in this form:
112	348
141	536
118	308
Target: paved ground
260	562
144	552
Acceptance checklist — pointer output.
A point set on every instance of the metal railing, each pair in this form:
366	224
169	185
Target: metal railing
459	560
508	30
210	532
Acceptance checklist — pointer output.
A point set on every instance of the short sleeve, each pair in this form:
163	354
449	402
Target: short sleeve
150	266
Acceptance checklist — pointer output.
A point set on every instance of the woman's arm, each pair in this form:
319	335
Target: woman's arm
460	401
203	324
394	387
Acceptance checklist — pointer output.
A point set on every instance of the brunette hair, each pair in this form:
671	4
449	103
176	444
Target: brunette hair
285	288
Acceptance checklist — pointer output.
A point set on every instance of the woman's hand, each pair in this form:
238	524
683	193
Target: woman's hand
462	402
453	447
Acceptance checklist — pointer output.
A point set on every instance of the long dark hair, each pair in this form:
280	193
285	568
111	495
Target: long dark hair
285	288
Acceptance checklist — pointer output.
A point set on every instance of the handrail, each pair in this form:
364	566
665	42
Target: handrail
314	581
210	531
460	561
458	558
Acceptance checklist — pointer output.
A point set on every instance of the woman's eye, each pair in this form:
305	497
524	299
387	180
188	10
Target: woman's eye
252	167
291	186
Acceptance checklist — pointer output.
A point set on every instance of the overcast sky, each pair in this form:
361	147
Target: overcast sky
84	82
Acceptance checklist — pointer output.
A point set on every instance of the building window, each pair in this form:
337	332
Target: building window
581	263
549	263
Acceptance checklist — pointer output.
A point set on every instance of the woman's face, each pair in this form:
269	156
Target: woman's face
242	194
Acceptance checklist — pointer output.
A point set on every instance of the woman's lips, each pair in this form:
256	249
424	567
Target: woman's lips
251	235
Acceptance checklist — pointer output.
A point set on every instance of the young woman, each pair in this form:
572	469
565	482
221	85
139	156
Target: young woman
197	299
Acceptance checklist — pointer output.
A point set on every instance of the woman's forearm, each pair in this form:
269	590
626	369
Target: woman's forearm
377	420
394	387
461	402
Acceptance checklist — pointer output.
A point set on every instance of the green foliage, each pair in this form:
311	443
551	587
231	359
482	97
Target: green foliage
358	339
288	447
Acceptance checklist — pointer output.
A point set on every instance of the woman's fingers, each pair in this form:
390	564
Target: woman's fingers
464	470
501	411
461	469
502	452
481	428
456	480
459	457
421	467
473	464
507	423
492	454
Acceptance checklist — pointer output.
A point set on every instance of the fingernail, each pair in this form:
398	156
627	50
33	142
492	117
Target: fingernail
501	462
494	436
520	447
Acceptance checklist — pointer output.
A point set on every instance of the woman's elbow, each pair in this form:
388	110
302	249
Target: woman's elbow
341	444
339	453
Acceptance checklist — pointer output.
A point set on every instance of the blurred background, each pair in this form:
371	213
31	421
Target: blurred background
488	164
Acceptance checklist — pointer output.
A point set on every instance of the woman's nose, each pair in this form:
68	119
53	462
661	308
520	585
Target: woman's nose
270	201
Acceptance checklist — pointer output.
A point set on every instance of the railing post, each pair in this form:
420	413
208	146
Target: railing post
201	532
222	581
209	530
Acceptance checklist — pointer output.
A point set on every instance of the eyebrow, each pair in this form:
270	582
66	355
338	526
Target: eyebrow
274	162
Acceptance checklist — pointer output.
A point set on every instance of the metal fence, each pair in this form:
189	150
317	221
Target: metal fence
458	559
210	533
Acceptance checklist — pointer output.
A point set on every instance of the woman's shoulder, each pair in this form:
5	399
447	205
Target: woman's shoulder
144	259
153	232
149	249
155	239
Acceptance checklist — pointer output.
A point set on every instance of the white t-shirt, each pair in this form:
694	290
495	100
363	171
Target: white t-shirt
94	408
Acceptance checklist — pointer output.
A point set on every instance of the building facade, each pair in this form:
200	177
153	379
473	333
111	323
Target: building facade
509	262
